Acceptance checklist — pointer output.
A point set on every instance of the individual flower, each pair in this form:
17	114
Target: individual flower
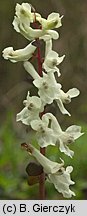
47	85
33	107
45	135
63	139
55	172
62	181
19	55
47	88
52	59
52	21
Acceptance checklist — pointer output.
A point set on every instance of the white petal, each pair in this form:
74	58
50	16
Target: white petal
24	114
48	46
74	92
30	69
52	54
6	52
23	12
58	71
28	95
16	24
54	123
38	82
61	107
56	18
26	6
75	131
48	165
60	59
54	35
69	169
35	33
47	138
65	149
36	101
45	119
62	183
35	124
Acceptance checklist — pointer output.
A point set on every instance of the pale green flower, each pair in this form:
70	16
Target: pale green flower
19	55
33	107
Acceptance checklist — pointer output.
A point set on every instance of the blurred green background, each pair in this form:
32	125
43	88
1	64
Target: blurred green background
14	84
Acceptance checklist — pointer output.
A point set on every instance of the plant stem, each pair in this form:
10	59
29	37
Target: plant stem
39	58
42	150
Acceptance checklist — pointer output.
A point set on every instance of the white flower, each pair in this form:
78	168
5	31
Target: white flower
47	85
56	173
49	166
19	55
52	59
45	135
52	21
47	88
33	107
62	181
63	138
22	21
66	98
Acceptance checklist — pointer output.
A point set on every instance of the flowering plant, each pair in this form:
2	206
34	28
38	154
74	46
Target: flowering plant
48	131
